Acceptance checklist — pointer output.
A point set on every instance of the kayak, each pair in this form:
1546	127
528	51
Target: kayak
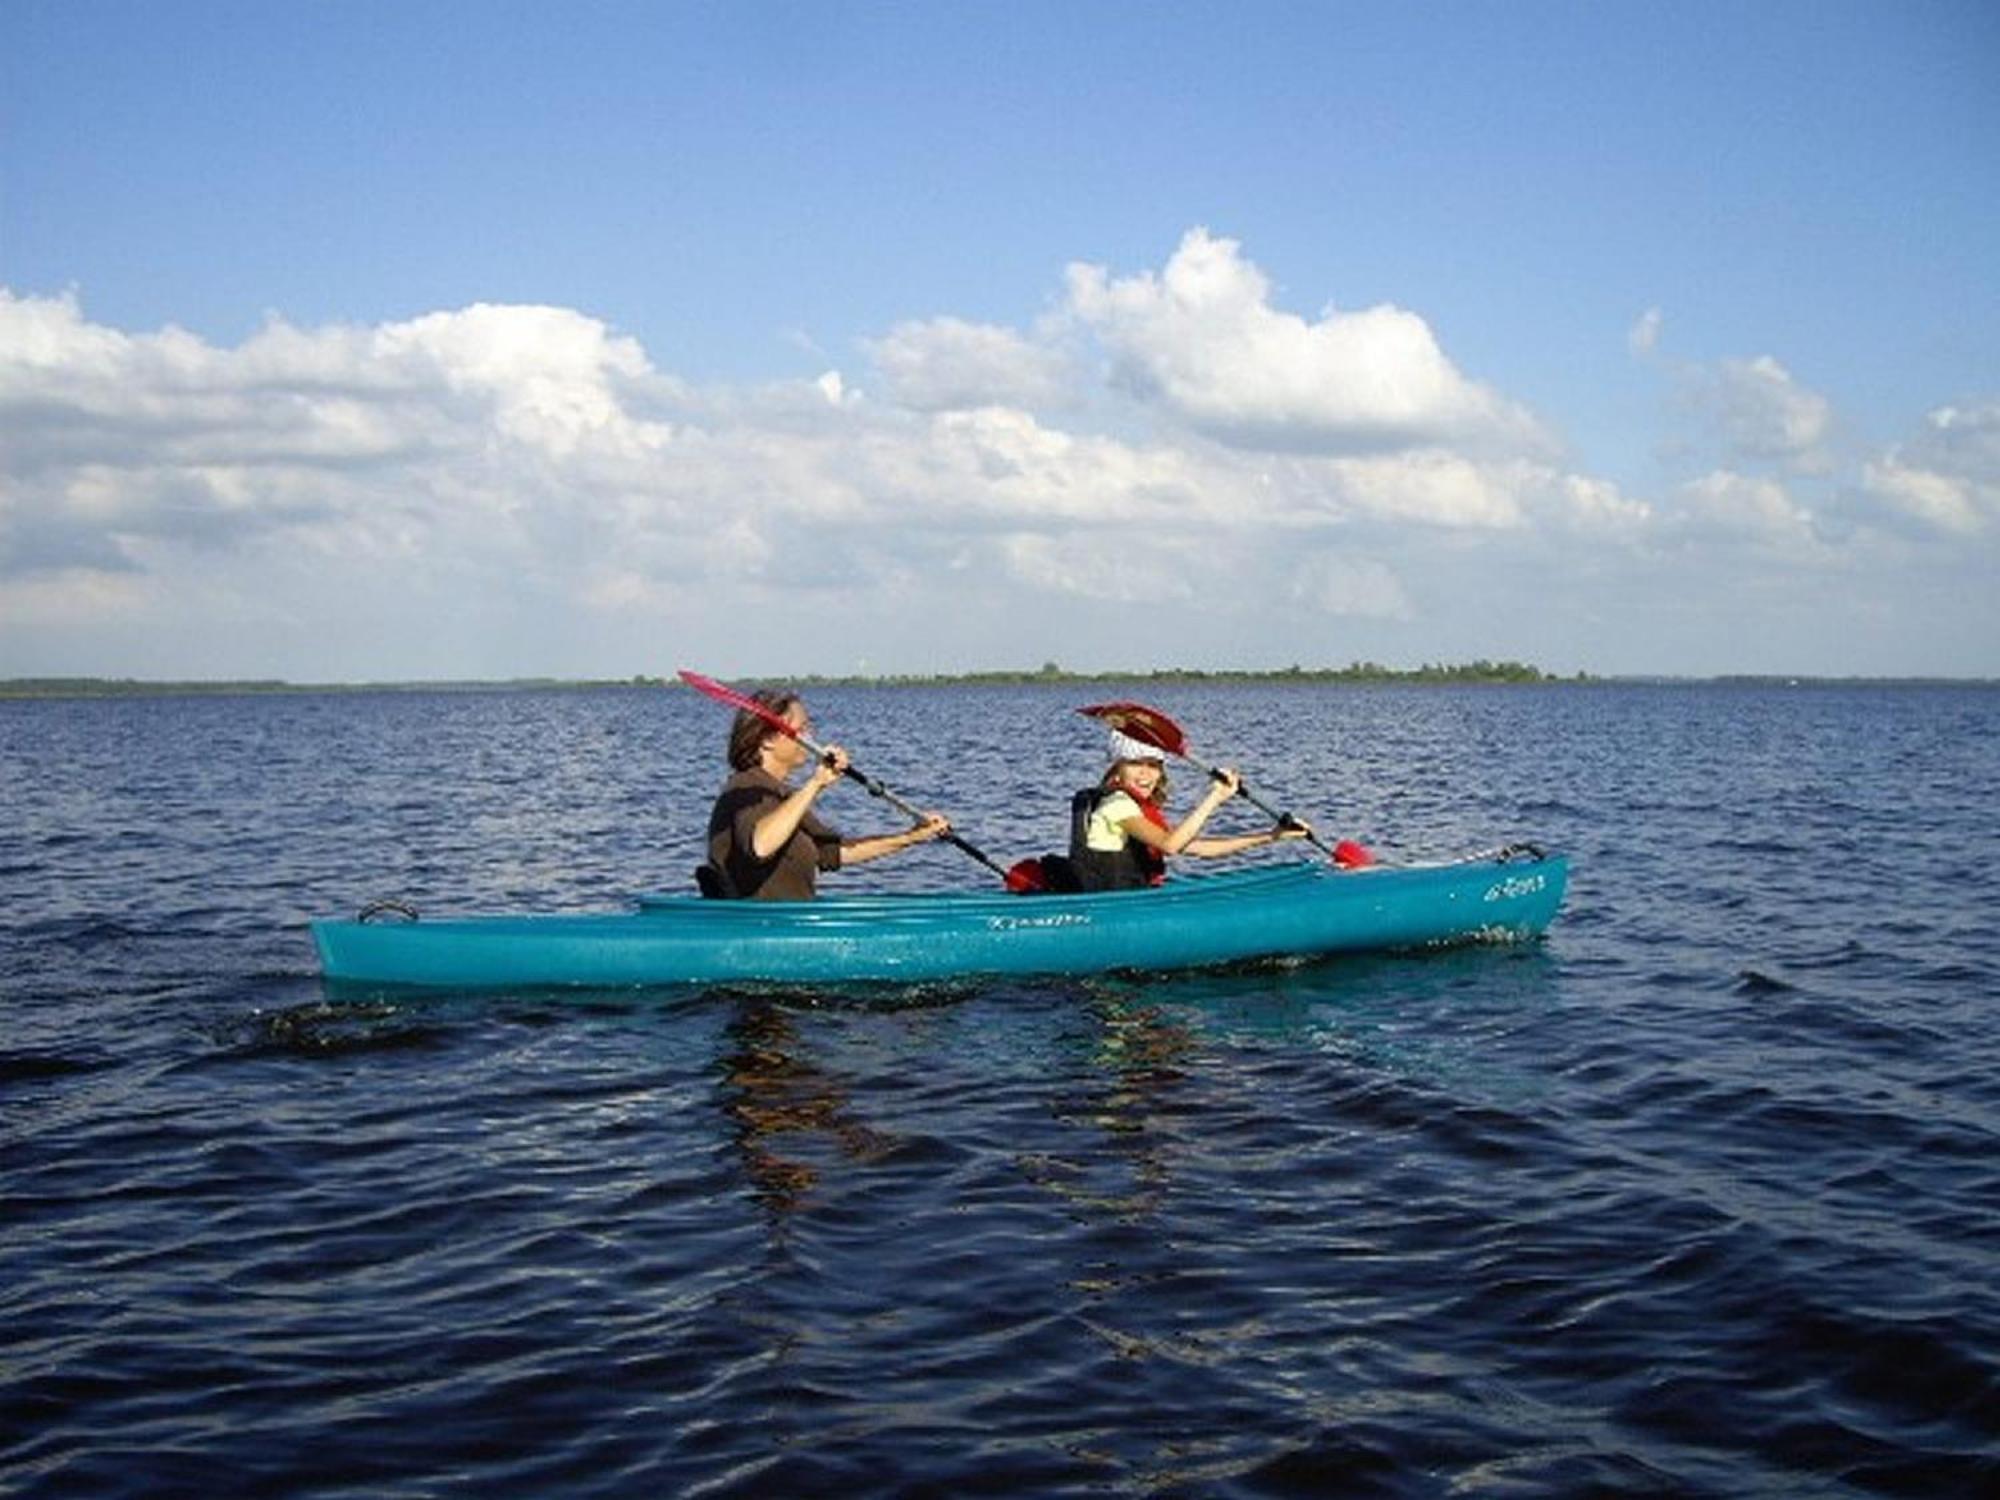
1283	912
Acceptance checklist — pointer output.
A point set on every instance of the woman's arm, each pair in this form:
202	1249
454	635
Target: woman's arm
860	851
775	828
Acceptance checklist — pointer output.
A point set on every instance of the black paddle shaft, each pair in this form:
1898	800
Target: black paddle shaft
1283	818
876	789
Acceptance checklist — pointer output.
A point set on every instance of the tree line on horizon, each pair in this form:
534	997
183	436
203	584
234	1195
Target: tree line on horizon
1479	671
1360	671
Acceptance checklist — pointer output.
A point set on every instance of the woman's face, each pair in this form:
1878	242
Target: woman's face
1140	777
786	753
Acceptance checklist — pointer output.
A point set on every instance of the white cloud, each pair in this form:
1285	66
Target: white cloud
1940	501
1948	477
517	489
1203	340
1729	504
943	364
1764	414
1432	487
544	377
1587	504
114	438
1147	571
1357	587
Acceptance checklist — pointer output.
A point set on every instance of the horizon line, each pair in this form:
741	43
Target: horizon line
1481	673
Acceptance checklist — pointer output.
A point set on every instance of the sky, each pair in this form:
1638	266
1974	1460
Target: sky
439	339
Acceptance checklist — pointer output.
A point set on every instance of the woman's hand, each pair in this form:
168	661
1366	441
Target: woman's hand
1223	785
1290	827
859	851
832	765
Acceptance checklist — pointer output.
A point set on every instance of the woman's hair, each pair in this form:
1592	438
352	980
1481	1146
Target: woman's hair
747	732
1159	789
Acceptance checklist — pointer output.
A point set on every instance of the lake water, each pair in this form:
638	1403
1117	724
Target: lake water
1698	1196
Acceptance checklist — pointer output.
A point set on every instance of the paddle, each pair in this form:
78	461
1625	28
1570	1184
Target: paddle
1151	727
748	705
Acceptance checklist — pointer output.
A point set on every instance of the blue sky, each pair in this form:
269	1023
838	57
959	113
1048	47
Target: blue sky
454	339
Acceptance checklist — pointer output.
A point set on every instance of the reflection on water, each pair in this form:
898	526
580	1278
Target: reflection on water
329	1028
1130	1062
784	1107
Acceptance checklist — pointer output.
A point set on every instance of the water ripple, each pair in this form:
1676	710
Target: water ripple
1697	1198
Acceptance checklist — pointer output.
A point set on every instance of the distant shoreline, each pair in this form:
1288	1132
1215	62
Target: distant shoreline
1484	673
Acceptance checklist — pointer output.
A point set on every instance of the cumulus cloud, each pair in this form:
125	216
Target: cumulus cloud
1729	504
1203	340
494	475
543	377
1941	502
941	364
1581	502
1764	415
1947	478
1432	487
115	441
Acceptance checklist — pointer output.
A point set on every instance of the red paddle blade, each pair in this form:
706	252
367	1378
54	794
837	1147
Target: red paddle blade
1147	725
1025	877
1352	856
736	700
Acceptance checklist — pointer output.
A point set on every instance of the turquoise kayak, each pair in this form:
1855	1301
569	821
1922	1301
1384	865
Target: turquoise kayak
1270	913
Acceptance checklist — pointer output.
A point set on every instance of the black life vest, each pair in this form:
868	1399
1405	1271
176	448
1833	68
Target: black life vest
1135	866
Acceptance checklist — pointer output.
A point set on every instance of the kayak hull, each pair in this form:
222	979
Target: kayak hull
1281	912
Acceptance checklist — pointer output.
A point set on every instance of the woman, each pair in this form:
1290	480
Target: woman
764	840
1119	837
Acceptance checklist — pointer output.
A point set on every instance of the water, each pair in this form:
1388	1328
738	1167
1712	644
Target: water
1700	1196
